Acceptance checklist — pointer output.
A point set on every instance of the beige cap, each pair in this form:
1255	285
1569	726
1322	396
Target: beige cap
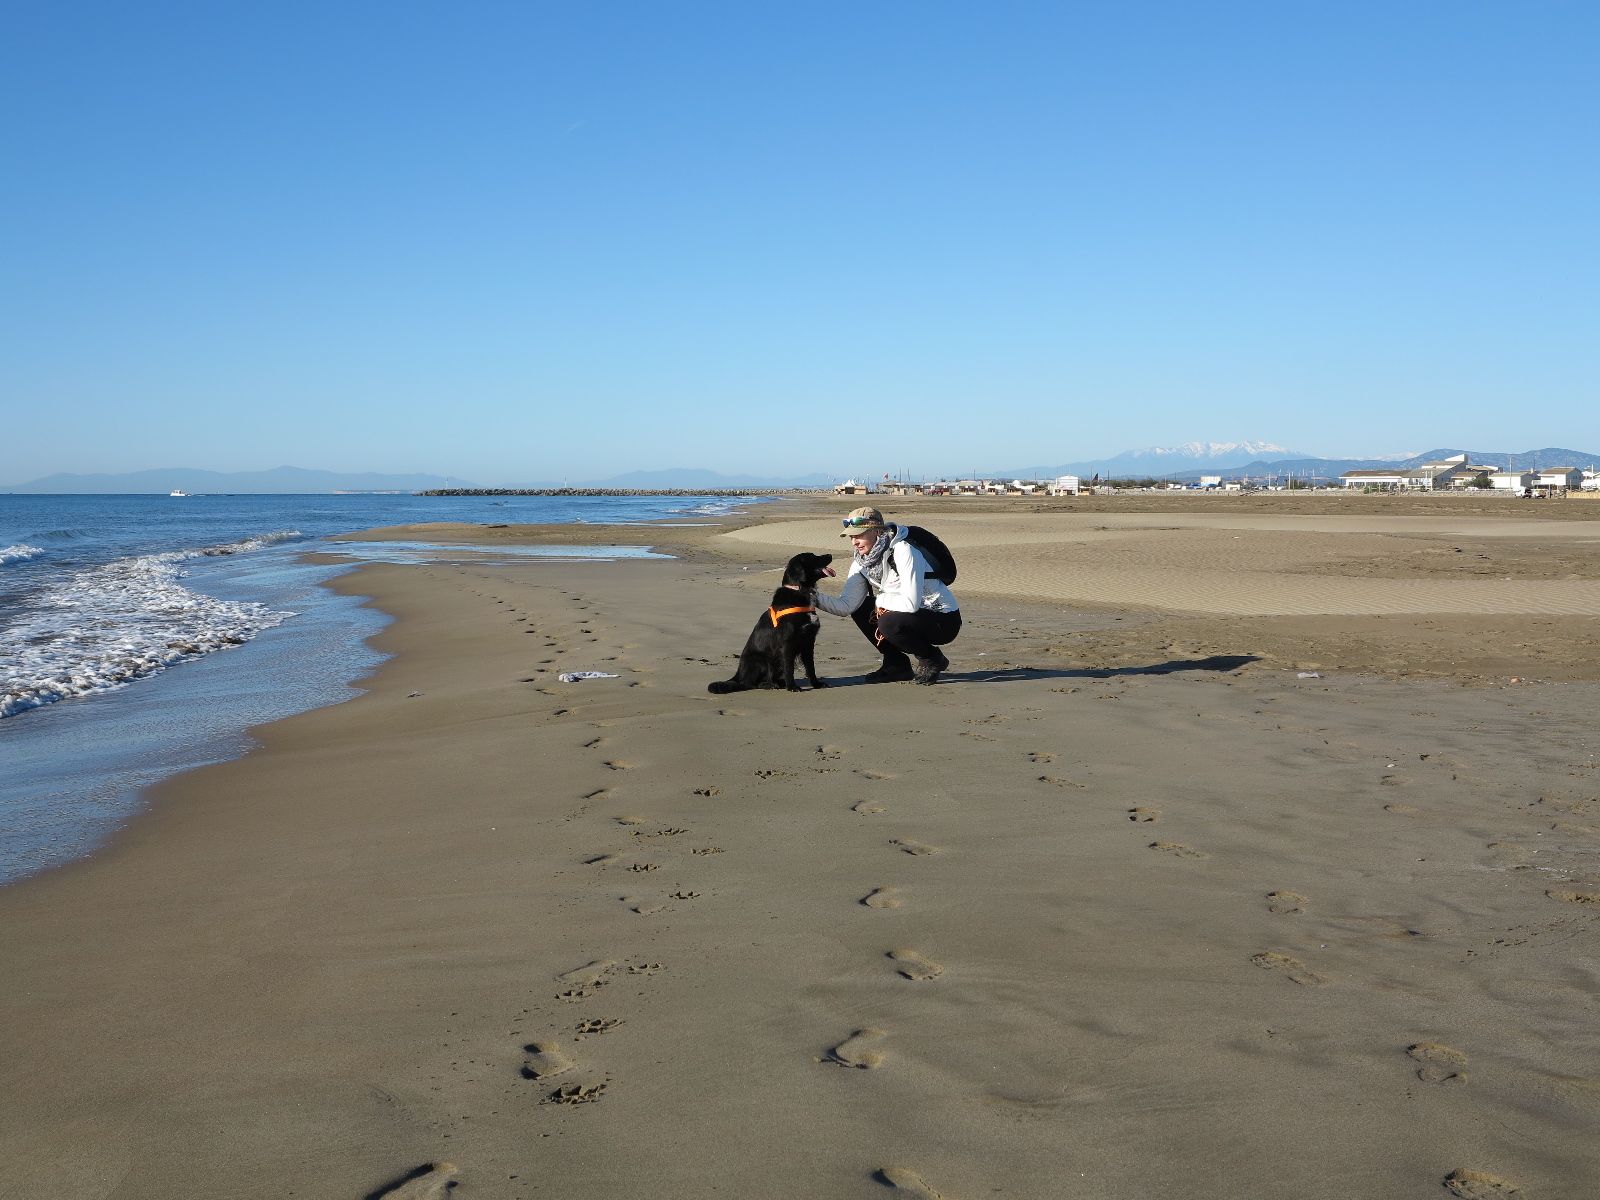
862	520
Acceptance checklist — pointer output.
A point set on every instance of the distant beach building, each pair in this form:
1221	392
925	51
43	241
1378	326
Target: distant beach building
1446	472
1065	485
1210	481
1512	481
1559	479
851	488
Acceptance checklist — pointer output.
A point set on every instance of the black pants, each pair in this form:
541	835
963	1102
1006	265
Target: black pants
906	633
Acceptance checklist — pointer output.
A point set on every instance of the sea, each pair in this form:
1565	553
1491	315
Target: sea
141	636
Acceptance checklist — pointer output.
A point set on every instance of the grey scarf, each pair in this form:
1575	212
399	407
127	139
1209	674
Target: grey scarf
871	563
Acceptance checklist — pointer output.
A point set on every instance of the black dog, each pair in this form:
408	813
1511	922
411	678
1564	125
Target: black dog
785	632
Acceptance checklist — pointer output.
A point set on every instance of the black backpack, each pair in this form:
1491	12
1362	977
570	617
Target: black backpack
941	563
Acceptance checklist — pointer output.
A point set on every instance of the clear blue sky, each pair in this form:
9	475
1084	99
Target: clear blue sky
515	241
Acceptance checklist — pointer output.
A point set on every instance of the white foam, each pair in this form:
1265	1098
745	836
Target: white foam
19	553
104	627
717	508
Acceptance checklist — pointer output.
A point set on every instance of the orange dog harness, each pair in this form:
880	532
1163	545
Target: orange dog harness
775	613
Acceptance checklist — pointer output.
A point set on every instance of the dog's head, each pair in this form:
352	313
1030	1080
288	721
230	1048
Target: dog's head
804	570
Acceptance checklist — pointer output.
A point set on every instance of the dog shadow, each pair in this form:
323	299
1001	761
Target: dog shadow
1215	662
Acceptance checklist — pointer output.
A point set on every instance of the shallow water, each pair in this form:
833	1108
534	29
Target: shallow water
142	635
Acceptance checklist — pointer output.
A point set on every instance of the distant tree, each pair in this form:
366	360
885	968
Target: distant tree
1480	480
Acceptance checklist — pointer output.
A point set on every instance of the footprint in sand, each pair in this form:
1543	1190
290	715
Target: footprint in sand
1179	849
596	1025
583	976
867	806
1144	815
617	764
874	775
730	712
434	1185
576	1093
645	908
631	820
831	751
708	791
1507	854
1575	897
646	968
603	860
1405	810
905	1179
545	1060
911	847
1478	1185
1041	756
1293	968
1060	782
914	966
978	737
1439	1063
856	1050
1285	902
883	897
1395	780
590	745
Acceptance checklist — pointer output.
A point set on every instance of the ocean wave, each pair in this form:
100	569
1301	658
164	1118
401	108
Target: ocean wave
716	508
105	627
21	552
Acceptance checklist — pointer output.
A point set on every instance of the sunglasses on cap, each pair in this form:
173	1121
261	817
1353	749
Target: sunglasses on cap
861	523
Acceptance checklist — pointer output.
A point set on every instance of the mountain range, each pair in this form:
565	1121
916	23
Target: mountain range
1185	464
1162	460
1332	468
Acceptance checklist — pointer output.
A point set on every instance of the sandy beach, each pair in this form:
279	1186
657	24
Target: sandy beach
1227	862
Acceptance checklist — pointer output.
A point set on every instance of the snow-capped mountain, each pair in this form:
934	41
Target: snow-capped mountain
1166	460
1214	454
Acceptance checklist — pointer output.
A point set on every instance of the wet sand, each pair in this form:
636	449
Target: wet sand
1115	912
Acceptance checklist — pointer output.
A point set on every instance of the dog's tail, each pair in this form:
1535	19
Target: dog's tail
724	686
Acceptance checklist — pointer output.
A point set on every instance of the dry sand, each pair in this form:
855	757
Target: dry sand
1085	930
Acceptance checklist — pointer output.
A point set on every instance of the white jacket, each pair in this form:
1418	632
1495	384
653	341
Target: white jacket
907	586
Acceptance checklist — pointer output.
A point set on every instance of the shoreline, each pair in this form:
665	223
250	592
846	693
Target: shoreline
314	968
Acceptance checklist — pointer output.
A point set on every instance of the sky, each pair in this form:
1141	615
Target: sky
524	241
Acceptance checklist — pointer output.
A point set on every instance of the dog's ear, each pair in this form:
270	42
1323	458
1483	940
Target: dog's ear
796	571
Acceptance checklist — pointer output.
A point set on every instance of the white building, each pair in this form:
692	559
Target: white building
1559	479
1429	475
1065	485
1512	481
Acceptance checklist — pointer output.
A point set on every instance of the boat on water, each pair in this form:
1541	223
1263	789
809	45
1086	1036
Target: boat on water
177	492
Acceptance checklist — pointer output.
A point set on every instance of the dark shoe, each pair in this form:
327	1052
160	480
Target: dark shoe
926	673
940	663
890	675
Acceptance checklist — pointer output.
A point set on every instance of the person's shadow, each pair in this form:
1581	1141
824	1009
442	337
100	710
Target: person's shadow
1215	662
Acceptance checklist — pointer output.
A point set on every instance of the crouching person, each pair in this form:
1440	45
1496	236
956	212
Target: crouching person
895	600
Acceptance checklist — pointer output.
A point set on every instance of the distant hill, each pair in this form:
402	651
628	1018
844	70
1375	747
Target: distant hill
1332	468
278	481
683	477
1159	460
